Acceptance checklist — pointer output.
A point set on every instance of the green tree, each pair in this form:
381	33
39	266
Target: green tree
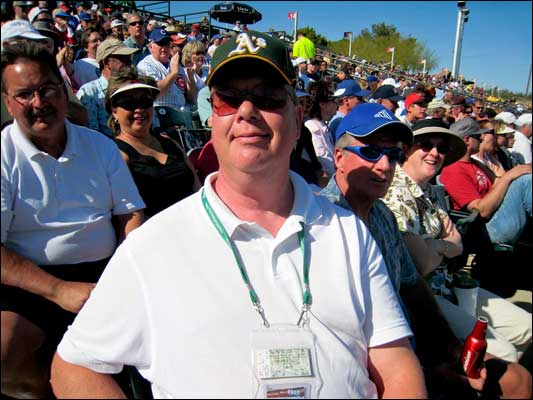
313	36
372	45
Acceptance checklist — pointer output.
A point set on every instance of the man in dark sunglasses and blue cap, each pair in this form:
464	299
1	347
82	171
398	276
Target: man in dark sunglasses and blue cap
286	284
367	150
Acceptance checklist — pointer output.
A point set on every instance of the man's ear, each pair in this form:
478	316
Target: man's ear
338	158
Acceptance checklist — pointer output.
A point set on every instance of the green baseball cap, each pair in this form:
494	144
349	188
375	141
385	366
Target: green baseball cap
256	46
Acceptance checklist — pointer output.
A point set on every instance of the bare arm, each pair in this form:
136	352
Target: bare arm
396	372
490	203
125	223
20	272
428	253
75	382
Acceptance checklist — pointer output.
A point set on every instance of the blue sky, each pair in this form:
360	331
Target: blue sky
496	48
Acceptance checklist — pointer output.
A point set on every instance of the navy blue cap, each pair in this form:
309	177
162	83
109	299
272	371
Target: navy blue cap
387	92
159	34
367	118
85	16
349	87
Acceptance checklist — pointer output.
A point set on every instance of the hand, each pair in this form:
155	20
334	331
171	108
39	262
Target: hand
60	56
175	63
479	383
71	296
517	171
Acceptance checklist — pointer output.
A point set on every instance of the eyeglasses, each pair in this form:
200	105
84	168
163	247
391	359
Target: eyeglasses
47	92
135	23
267	99
477	136
442	148
491	131
374	153
98	39
133	103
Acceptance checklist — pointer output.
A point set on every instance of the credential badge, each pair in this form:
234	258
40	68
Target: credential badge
246	44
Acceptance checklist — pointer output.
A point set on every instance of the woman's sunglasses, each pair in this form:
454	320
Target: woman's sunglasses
442	148
374	153
227	102
133	103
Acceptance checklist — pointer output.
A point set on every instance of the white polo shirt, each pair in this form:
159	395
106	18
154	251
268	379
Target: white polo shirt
172	302
58	211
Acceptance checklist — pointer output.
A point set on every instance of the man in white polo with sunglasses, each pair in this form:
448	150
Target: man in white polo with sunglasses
252	287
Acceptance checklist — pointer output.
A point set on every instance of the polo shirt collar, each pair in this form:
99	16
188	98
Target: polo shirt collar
30	150
305	208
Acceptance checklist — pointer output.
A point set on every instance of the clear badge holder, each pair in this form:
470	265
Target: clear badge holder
284	363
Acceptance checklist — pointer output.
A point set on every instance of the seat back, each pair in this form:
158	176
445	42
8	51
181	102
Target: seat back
183	126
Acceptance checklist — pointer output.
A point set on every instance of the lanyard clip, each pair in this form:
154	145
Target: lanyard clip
261	313
304	316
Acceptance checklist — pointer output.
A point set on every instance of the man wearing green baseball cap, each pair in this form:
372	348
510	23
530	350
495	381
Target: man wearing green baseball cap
253	287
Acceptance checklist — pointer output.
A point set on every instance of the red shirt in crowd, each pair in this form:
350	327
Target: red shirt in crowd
465	182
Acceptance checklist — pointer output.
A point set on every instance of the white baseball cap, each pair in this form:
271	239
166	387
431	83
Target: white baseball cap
524	119
298	61
391	81
506	117
20	28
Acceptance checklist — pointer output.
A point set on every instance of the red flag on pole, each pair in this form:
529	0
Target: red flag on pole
291	15
390	49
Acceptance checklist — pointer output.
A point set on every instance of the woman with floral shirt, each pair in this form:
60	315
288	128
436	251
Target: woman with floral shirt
430	236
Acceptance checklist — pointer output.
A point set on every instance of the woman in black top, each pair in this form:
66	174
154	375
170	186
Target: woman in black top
160	169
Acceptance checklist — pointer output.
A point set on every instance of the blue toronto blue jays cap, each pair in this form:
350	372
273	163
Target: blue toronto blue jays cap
349	87
368	118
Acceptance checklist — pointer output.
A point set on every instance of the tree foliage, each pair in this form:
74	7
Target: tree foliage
372	45
313	36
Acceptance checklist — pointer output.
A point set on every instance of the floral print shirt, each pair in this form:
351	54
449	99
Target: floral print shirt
418	212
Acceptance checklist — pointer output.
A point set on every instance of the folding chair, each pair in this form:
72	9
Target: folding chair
183	126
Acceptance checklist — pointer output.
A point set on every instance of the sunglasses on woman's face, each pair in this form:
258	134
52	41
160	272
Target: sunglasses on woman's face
427	146
227	102
131	103
374	153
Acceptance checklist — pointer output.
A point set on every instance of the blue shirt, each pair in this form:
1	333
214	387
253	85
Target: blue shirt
137	57
92	96
384	228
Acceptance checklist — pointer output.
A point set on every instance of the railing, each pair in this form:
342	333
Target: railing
154	7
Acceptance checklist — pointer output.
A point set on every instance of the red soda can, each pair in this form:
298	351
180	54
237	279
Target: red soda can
474	348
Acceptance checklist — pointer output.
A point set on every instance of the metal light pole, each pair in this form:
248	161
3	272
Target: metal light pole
350	48
462	17
528	79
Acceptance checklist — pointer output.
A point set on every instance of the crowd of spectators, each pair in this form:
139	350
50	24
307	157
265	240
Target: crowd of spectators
109	70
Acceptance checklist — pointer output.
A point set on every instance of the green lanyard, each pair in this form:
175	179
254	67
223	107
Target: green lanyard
307	298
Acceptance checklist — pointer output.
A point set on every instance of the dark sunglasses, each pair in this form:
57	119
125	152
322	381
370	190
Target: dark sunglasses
491	131
227	102
135	23
477	136
374	153
442	148
133	103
